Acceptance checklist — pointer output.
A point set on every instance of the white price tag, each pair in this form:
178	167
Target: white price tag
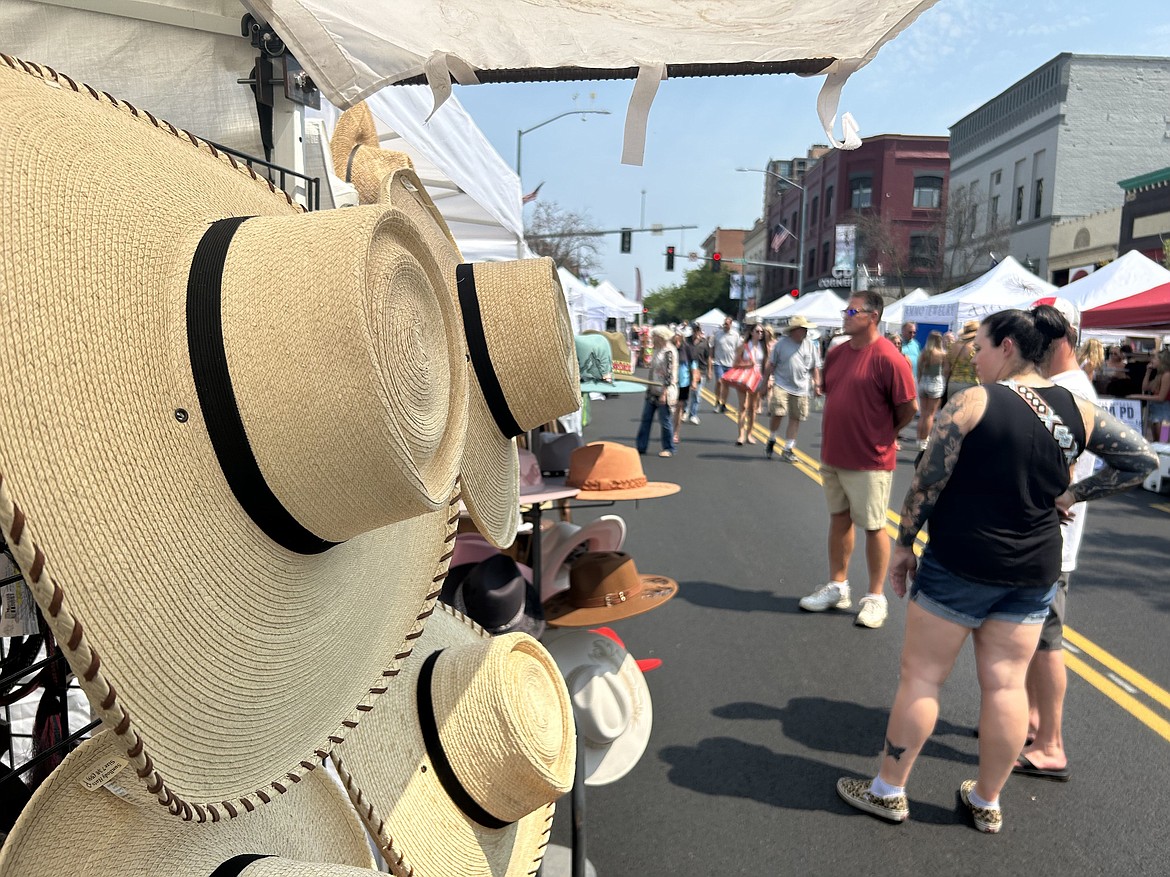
1128	411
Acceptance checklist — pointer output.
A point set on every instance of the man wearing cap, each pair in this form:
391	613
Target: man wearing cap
723	348
792	373
869	398
1047	679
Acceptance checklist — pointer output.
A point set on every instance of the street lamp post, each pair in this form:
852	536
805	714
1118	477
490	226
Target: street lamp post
803	219
520	133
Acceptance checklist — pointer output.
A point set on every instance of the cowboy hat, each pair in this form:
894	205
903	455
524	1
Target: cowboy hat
457	771
522	366
213	457
969	331
92	816
357	154
496	595
607	533
611	702
644	664
798	322
619	347
605	586
533	488
596	365
607	470
554	449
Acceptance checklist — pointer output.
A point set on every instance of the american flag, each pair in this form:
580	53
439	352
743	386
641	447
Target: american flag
779	235
531	196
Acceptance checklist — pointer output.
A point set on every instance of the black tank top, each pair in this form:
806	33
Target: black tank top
995	521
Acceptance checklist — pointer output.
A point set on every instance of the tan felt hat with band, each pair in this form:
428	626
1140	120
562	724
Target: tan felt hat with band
227	437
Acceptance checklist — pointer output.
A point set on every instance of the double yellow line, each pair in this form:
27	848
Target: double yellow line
1119	682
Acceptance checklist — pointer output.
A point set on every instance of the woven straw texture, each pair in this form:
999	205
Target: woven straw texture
506	725
220	668
526	322
76	825
357	156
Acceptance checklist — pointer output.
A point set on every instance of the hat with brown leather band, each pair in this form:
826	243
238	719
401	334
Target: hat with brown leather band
607	470
225	439
605	586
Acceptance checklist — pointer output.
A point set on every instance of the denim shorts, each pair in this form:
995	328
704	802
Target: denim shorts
953	598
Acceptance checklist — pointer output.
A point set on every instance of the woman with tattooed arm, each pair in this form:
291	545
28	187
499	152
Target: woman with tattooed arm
994	484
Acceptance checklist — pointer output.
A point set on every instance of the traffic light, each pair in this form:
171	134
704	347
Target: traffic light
627	236
795	293
670	258
716	262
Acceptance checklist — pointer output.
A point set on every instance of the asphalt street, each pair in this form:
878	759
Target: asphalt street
760	707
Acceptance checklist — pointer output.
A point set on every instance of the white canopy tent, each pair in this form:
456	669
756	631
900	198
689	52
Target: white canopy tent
1121	278
822	308
1004	286
772	309
181	61
711	320
628	307
892	315
353	50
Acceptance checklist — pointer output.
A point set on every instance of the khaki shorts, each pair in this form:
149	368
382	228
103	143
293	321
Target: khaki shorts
864	494
780	401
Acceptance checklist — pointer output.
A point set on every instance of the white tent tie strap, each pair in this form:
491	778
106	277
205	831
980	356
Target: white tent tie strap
439	68
828	100
638	112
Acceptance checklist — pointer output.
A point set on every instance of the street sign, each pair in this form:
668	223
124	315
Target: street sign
693	256
656	228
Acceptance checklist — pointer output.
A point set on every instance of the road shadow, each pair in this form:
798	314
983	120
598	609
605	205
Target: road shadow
844	727
732	768
713	595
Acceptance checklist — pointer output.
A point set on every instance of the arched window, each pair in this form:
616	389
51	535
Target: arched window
1081	242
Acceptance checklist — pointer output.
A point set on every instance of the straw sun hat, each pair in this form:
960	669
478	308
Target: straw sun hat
92	817
212	457
457	769
357	155
522	367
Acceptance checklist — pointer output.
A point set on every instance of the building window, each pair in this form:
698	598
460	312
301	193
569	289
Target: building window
996	178
923	251
1082	239
825	257
828	202
794	223
816	207
1019	203
1038	198
928	192
993	212
812	262
860	192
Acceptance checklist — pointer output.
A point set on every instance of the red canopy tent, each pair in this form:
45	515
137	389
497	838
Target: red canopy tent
1146	310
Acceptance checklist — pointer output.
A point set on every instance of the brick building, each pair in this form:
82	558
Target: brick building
891	191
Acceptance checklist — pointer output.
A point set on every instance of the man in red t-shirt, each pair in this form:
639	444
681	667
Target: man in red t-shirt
869	397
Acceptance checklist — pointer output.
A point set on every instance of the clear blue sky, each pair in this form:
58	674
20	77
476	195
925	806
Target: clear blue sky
958	55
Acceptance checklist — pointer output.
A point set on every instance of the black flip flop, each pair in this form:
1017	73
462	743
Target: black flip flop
1024	767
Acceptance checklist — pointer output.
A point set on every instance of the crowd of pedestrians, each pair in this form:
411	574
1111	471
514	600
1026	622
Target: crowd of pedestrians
1010	440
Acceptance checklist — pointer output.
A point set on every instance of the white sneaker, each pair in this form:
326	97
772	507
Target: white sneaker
873	611
695	419
834	595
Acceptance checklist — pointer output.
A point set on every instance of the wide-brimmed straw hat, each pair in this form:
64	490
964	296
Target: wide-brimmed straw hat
611	702
605	586
798	322
456	771
225	439
358	157
607	533
522	364
93	817
607	470
969	331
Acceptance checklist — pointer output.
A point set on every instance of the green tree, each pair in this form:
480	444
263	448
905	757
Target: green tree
701	290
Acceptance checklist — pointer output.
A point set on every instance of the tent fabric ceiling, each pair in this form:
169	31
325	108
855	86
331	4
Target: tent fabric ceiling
352	50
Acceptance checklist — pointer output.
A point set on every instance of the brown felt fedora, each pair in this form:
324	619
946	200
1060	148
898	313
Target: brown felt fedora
603	587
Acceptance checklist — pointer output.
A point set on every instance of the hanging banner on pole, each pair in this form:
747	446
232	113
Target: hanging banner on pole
845	258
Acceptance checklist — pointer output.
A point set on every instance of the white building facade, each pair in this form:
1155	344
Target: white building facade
1053	146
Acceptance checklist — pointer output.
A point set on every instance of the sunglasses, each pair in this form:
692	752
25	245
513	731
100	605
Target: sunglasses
853	312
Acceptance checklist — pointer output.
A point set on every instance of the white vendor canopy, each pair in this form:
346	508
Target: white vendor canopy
1005	286
893	315
354	49
821	308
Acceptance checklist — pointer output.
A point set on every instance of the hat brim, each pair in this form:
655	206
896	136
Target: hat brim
76	825
112	498
548	493
415	824
559	610
577	650
607	533
651	490
616	387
